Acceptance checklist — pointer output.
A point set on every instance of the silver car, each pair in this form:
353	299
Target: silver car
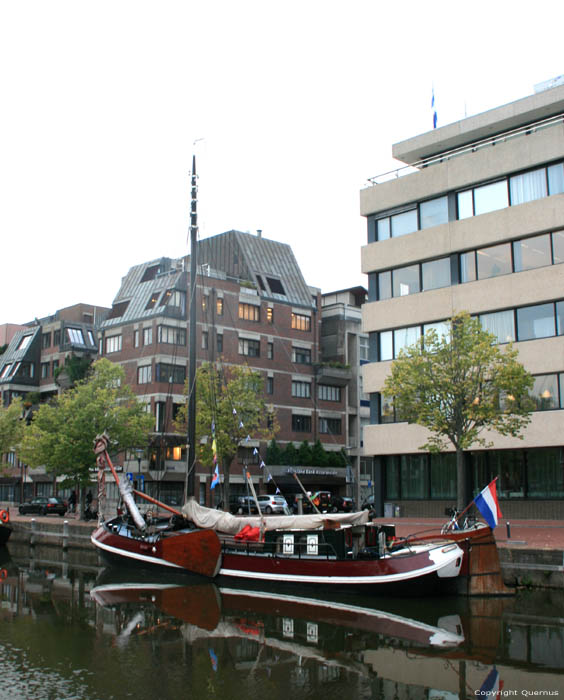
273	504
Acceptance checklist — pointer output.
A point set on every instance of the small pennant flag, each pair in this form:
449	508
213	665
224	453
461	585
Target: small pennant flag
215	477
213	659
269	478
262	465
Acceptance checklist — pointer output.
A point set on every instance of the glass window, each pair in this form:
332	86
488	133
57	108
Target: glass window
434	212
528	186
249	347
301	356
501	324
465	204
436	273
386	346
494	261
443	475
560	317
545	476
468	267
535	322
532	252
405	337
413	476
545	392
386	409
301	390
406	281
556	179
301	322
404	223
392	476
385	285
383	228
490	197
558	247
301	424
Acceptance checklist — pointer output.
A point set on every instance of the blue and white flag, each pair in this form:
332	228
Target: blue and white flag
433	108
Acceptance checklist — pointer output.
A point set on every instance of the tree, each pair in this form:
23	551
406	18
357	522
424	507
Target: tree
230	403
61	434
11	427
458	385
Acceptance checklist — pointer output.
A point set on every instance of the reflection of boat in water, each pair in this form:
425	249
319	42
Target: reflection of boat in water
257	612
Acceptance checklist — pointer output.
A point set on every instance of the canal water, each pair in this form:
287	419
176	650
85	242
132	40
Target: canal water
70	628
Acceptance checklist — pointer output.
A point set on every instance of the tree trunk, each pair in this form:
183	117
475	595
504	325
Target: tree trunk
461	495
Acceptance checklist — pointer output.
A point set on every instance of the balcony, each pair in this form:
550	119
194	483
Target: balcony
332	374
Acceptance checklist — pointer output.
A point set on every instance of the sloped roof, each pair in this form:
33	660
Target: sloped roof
142	283
270	265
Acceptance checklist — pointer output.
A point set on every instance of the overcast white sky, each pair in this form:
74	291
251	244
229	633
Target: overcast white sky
298	103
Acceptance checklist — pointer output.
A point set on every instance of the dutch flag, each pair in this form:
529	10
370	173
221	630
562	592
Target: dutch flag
492	685
486	502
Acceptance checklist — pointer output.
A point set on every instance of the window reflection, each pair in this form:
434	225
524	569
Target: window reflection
532	252
436	273
494	261
406	281
490	197
535	321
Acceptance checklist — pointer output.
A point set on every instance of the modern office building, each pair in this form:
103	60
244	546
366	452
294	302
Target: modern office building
474	222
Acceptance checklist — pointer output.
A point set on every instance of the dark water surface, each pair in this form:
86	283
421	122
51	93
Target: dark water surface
72	629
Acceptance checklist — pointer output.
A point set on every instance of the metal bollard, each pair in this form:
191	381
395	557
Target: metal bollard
33	531
508	526
65	535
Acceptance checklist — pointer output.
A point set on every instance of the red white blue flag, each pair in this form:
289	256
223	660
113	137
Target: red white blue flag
486	502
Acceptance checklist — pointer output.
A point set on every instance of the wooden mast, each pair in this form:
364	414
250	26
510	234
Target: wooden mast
189	489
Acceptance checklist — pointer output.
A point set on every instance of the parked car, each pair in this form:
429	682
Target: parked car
273	504
44	505
240	505
343	504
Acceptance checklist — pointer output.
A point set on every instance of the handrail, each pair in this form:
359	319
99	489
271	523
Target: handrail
467	148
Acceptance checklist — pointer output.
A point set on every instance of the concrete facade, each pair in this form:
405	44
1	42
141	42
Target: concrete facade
453	169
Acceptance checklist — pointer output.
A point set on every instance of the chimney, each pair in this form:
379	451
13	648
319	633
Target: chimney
259	233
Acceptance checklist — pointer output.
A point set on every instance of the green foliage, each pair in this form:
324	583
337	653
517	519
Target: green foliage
319	457
304	454
273	453
76	368
61	435
458	386
11	426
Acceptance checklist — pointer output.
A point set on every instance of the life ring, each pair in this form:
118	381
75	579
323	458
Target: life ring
3	574
4	516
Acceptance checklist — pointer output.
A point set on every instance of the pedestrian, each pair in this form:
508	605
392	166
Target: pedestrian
72	502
